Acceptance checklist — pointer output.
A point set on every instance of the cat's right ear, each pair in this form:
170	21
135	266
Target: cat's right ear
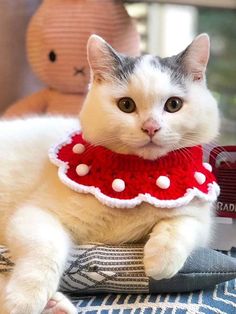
196	56
102	58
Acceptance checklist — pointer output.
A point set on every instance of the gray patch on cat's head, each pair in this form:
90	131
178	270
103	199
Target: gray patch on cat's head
123	65
176	67
155	62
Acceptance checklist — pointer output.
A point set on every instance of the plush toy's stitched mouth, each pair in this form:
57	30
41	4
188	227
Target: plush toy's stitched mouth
79	71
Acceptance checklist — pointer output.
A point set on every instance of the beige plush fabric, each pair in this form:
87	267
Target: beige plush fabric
57	40
16	77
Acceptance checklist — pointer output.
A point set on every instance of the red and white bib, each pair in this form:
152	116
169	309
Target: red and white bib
125	181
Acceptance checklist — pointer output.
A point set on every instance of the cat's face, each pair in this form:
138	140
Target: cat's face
148	106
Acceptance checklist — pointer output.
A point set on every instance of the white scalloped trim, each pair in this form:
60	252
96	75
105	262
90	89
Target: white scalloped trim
211	196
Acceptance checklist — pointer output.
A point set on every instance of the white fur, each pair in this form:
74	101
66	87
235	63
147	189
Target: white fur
39	214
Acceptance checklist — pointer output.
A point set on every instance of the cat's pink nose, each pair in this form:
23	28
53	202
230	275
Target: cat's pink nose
150	126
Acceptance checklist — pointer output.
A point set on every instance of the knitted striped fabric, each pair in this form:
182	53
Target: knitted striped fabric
125	181
60	29
95	268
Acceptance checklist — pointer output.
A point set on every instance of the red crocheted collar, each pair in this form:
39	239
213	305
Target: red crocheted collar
125	181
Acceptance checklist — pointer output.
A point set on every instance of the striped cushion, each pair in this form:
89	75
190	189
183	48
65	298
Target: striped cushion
96	268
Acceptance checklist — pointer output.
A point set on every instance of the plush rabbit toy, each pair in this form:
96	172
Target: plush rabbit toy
56	43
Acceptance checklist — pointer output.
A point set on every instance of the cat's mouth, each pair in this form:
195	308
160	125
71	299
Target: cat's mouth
151	145
151	150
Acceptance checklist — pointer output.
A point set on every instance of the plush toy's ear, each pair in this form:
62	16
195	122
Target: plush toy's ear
195	57
102	58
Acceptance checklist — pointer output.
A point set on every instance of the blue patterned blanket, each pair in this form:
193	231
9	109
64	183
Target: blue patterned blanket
220	300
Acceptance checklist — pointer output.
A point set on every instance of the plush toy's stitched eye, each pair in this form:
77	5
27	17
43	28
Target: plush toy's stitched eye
126	104
173	104
52	56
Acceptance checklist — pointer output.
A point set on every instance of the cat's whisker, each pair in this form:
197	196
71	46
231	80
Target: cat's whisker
193	138
103	142
185	152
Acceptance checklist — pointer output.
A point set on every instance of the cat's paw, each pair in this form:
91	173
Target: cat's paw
163	260
59	304
17	302
23	297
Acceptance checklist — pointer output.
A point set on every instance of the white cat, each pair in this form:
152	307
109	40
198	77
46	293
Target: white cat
145	106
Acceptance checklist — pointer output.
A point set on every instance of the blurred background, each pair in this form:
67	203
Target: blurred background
166	27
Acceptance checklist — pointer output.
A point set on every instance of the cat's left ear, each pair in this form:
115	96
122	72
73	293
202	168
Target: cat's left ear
102	58
195	57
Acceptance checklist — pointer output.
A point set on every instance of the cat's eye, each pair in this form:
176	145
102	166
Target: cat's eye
173	104
126	104
52	56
